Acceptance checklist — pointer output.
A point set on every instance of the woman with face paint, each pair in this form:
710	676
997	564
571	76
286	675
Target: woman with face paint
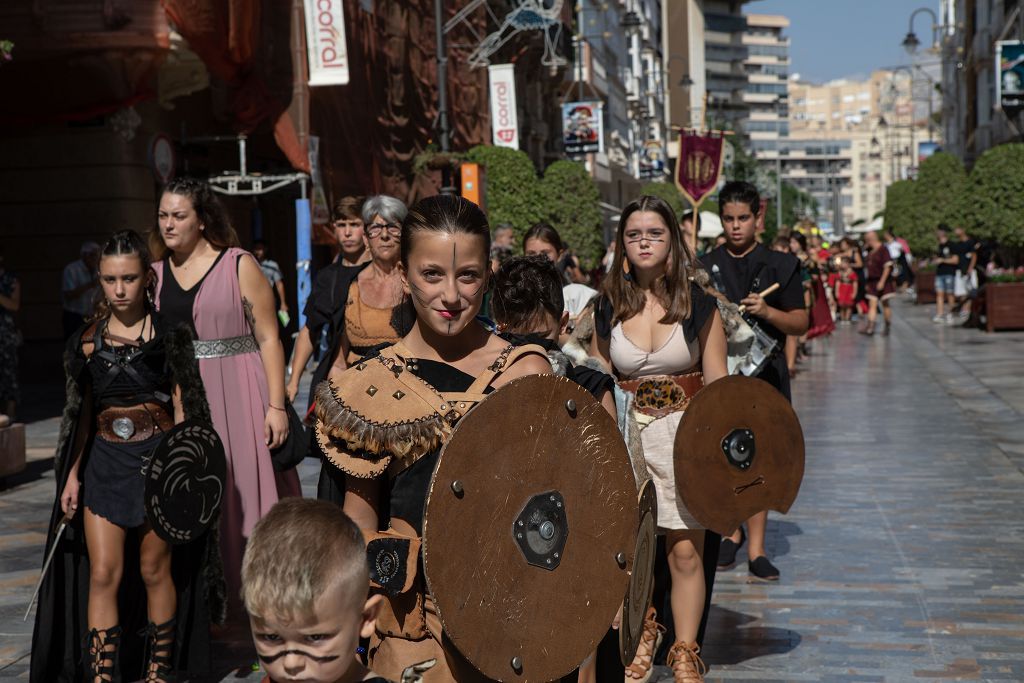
371	428
206	282
661	334
131	377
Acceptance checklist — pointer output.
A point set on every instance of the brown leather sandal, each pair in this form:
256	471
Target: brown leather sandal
686	664
642	666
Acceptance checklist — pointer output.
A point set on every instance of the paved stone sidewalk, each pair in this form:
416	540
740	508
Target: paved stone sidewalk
901	559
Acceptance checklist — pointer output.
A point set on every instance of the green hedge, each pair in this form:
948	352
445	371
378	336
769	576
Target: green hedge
567	198
570	201
993	204
511	185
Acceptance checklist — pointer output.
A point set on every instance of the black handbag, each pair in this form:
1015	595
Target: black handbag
296	447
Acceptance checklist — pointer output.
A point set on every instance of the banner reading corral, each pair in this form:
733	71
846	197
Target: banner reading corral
326	49
504	119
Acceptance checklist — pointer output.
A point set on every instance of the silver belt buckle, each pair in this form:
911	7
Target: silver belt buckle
123	427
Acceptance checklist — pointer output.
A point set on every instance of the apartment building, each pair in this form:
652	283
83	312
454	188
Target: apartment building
767	70
849	139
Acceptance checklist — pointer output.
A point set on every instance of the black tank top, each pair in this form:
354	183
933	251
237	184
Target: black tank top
176	304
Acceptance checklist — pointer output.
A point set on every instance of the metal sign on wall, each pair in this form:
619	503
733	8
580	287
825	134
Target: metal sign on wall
583	127
1010	81
326	49
504	119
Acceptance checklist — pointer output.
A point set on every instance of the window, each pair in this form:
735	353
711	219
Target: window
768	50
770	88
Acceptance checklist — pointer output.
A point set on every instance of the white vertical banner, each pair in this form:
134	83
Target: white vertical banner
325	42
504	123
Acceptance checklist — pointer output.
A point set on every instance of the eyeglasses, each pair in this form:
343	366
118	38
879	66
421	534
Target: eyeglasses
374	229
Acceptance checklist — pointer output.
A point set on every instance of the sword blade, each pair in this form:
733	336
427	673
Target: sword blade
46	565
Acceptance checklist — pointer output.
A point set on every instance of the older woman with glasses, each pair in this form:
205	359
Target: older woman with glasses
360	307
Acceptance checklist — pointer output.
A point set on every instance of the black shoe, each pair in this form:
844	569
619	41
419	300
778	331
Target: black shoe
763	570
729	548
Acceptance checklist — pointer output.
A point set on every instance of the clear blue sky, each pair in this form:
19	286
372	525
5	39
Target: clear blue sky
838	38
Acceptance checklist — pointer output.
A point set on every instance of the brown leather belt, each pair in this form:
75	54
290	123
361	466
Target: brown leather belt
134	423
663	395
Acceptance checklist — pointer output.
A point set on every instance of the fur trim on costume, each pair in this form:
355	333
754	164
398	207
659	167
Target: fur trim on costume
181	359
376	439
559	362
184	368
72	406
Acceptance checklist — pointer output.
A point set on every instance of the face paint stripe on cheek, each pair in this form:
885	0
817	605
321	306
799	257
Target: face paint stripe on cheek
270	659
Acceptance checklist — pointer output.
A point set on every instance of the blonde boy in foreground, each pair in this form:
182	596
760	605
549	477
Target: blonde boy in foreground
305	584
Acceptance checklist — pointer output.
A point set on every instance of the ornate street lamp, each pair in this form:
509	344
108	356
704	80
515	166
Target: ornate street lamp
910	42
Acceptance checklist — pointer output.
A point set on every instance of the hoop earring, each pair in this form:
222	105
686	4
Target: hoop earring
625	270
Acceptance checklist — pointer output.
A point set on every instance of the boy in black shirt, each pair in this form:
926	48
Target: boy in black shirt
745	268
946	261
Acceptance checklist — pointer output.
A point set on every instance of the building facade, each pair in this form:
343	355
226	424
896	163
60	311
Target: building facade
619	61
972	120
725	57
767	69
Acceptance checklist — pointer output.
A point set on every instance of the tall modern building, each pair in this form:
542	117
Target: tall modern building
725	57
767	71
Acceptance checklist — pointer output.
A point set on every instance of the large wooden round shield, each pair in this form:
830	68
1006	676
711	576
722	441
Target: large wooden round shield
530	520
185	481
641	576
739	450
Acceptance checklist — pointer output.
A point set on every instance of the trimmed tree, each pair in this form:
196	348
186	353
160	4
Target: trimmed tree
901	214
513	190
994	201
570	202
938	197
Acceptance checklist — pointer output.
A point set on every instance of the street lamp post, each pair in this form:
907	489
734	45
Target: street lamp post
443	125
779	101
910	42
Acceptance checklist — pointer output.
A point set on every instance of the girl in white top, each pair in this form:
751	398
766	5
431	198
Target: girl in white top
653	324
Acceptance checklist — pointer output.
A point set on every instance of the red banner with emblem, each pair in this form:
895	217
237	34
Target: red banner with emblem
699	165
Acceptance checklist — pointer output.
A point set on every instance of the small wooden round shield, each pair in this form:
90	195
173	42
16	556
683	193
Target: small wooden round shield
530	520
739	450
185	481
641	576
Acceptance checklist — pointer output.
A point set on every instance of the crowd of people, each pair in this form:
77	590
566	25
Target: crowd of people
186	326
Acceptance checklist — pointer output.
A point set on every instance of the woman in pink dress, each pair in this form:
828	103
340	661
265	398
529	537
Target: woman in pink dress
206	281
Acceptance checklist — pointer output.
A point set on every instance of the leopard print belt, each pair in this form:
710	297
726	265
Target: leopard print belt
662	395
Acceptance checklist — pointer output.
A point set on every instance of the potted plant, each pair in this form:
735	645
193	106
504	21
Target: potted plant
1004	300
924	284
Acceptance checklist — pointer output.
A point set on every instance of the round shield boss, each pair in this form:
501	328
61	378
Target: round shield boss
185	481
641	576
530	520
739	450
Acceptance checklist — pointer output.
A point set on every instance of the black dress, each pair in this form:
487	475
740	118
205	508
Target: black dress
58	653
123	376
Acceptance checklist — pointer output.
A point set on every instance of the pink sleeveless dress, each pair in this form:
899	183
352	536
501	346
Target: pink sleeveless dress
236	388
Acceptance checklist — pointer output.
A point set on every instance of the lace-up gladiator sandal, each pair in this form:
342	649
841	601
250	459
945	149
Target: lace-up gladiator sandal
686	664
160	649
642	666
101	649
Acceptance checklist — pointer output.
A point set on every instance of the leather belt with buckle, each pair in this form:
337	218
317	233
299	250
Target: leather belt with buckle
663	395
134	423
